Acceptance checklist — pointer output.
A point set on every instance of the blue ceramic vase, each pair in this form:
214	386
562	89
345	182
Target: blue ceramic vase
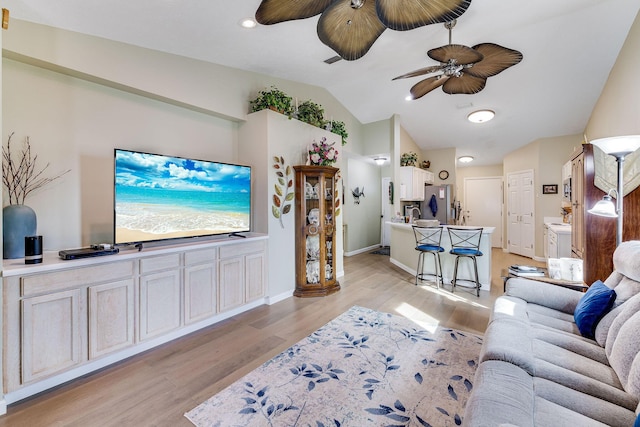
18	221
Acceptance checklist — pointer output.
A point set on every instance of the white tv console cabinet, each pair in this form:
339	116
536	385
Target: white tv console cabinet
64	319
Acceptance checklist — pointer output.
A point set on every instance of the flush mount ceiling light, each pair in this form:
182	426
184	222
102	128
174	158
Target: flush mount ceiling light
380	160
350	27
465	159
248	23
481	116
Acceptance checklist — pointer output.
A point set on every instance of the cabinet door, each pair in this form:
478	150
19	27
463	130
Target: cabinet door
254	276
577	195
200	299
51	334
110	317
231	291
159	303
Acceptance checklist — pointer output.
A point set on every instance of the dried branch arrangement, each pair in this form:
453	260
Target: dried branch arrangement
20	176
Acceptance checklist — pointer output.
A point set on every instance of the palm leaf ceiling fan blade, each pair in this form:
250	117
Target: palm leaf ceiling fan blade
406	15
496	59
425	86
465	84
350	31
420	72
276	11
462	55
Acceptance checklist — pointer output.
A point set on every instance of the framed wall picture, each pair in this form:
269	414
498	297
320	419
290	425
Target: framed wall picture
550	189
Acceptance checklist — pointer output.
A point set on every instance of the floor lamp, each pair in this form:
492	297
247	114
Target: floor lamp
618	147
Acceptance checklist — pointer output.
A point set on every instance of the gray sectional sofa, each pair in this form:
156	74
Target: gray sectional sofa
536	369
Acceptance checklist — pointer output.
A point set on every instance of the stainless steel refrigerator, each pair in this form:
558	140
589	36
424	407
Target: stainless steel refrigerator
438	204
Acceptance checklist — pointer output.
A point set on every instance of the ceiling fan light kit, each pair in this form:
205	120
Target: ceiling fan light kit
350	27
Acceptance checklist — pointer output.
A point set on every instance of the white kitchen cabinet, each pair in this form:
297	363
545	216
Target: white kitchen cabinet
111	317
64	319
159	303
200	285
254	276
241	274
412	182
558	241
52	334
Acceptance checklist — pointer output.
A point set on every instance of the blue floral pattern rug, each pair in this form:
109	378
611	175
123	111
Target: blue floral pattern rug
364	368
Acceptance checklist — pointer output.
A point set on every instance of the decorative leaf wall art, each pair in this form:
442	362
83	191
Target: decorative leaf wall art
283	189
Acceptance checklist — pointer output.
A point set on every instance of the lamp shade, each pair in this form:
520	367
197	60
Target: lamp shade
618	144
604	207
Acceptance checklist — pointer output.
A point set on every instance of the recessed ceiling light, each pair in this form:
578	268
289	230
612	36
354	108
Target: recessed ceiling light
465	159
481	116
248	23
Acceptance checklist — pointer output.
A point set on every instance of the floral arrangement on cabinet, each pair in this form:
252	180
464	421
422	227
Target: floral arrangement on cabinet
322	153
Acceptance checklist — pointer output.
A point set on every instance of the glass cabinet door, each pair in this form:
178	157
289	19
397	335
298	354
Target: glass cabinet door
315	231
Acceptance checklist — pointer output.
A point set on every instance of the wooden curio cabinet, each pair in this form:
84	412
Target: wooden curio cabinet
315	231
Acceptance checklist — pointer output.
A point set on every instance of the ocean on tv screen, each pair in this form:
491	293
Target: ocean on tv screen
160	197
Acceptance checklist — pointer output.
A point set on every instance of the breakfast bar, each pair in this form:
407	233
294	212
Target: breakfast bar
405	256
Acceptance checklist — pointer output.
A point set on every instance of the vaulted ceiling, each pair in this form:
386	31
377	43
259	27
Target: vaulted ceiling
569	48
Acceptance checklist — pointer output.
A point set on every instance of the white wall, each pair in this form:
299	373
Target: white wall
78	97
362	220
74	124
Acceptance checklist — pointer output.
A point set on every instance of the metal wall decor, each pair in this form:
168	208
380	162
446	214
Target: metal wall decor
357	193
284	193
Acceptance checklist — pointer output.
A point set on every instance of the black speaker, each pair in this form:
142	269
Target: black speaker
33	249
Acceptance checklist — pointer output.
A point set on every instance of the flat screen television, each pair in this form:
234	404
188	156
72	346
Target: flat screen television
159	197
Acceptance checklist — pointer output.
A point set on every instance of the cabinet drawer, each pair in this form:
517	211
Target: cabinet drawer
230	251
157	263
200	257
52	282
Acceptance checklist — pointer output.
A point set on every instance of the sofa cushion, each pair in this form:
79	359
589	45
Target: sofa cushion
504	394
592	307
626	260
624	351
581	403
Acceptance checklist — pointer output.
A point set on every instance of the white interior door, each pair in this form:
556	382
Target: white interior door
520	201
483	203
387	209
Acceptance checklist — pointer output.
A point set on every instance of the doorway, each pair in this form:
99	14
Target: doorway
483	205
520	214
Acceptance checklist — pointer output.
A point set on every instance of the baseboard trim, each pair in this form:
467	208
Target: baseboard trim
280	297
363	250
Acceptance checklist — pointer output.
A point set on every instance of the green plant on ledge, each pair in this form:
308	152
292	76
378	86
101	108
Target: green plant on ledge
338	127
272	99
312	113
408	159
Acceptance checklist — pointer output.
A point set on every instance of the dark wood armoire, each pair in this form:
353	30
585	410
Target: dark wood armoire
593	238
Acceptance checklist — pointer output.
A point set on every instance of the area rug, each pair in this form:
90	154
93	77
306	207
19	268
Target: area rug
364	368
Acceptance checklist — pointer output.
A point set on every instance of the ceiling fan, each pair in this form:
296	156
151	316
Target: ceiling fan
350	27
464	70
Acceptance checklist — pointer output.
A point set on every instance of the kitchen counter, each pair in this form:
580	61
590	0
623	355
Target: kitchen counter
405	256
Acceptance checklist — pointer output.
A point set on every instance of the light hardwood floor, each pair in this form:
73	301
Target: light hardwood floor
156	388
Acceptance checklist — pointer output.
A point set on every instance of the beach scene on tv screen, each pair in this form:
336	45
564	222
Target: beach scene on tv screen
161	197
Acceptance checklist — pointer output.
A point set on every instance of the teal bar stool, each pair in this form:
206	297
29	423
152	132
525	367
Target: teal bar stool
428	241
465	243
